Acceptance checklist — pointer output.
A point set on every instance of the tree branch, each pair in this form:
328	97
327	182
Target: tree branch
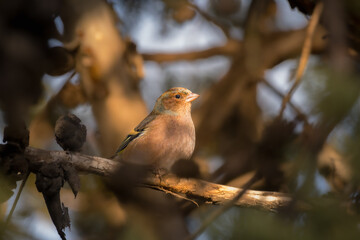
299	113
217	212
208	18
304	54
229	49
194	189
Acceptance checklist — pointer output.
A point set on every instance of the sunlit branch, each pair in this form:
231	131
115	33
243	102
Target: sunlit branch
197	190
216	213
304	54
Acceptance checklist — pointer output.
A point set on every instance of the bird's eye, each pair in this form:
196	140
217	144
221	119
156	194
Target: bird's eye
177	96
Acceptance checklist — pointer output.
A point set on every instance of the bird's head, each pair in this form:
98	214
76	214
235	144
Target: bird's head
175	101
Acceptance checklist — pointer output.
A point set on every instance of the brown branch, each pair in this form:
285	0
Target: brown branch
229	49
219	211
304	54
8	219
286	44
299	113
209	18
195	189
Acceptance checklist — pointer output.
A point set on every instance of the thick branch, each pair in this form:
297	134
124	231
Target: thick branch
195	189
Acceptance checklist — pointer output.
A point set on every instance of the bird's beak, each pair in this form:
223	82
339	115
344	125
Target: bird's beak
191	97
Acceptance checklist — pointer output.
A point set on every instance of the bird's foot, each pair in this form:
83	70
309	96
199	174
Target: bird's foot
160	172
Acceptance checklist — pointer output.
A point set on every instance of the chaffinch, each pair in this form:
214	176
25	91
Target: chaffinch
166	135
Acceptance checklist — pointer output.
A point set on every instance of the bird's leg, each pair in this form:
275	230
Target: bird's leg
160	172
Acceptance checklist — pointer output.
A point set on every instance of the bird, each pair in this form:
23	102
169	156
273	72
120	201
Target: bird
70	132
165	136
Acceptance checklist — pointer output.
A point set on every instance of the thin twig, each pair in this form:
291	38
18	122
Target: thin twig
215	214
210	19
17	198
299	113
177	195
305	53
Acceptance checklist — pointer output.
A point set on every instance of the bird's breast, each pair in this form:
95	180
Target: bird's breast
165	140
174	139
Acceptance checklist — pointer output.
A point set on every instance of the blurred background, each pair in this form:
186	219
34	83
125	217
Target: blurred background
108	61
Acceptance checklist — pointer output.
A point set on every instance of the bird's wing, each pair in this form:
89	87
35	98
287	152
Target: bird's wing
136	132
141	127
127	140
